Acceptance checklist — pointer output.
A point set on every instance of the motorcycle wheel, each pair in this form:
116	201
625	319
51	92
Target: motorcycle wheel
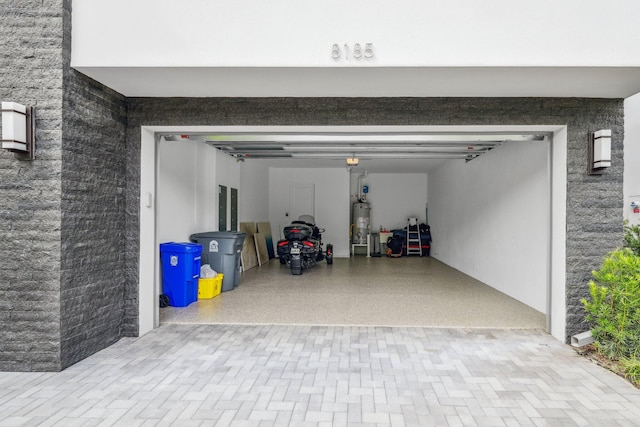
329	255
296	266
282	260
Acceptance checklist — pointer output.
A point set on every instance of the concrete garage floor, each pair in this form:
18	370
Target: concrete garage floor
407	291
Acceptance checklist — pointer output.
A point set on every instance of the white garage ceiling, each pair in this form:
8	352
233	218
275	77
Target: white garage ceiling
381	152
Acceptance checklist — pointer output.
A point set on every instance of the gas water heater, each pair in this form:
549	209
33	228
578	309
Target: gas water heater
361	223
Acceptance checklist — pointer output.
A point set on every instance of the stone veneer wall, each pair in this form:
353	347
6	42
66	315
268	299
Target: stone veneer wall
31	74
61	215
594	203
92	230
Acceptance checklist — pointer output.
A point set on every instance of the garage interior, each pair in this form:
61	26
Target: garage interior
489	259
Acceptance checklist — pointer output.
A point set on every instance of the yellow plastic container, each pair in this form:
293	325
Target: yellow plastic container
209	288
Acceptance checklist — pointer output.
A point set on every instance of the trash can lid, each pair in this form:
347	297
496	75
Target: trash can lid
180	247
218	235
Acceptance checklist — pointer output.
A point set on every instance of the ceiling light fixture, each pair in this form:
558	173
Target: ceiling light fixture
352	162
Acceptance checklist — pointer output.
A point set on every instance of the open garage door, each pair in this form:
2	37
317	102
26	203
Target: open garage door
490	204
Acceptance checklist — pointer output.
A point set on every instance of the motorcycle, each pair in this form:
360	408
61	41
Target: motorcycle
301	247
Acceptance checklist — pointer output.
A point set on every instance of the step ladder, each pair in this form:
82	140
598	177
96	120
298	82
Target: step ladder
414	242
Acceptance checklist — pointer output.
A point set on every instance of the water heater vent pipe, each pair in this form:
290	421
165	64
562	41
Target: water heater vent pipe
362	175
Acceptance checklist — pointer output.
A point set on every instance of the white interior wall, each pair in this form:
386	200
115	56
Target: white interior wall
177	186
188	177
490	219
631	157
206	201
253	204
393	198
331	202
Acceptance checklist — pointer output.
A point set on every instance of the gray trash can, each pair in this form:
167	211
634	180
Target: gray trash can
221	250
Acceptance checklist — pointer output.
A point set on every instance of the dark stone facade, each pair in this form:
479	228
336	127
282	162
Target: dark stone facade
69	220
61	215
92	269
92	274
30	192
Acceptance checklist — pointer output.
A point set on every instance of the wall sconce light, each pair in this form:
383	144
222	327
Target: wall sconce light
18	130
599	151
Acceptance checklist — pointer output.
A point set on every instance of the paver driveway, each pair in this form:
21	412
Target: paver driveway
254	375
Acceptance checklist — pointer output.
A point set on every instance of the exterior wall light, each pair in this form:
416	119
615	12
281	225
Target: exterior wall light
599	151
18	130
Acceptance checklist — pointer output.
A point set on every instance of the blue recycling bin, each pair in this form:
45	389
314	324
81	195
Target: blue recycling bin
180	272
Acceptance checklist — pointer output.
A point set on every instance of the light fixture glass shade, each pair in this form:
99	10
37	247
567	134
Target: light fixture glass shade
14	124
352	161
602	149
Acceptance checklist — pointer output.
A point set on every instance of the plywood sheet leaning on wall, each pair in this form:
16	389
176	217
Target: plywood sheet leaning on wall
248	257
265	229
261	248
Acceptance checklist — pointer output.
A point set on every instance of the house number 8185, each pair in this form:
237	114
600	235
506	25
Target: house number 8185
347	52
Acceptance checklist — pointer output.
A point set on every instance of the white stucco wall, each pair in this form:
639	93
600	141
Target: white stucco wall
404	33
331	202
631	157
490	219
194	48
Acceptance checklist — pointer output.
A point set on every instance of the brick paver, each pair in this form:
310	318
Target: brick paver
239	375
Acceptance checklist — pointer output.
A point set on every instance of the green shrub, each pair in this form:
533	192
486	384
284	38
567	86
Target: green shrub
631	368
614	308
632	237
